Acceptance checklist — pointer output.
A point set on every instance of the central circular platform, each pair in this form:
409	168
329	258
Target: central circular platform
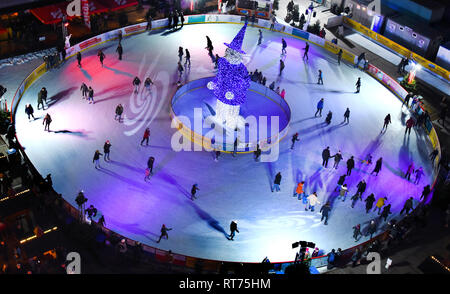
266	113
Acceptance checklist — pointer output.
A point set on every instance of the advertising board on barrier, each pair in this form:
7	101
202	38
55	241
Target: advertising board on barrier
196	18
135	28
91	41
300	33
388	81
263	23
316	39
112	34
160	23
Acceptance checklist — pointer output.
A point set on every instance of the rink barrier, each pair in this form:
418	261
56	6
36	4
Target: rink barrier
188	261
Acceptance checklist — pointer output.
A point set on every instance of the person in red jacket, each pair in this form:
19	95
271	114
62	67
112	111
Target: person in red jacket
409	125
146	136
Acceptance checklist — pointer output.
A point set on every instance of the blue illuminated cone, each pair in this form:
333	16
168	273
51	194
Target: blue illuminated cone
236	44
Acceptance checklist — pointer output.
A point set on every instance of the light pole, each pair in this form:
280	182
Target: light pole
311	11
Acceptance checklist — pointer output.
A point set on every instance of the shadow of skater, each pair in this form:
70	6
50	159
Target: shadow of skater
212	222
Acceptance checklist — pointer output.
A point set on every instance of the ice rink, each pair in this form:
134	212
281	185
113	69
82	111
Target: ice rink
234	188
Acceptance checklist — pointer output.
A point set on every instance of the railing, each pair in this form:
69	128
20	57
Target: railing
188	261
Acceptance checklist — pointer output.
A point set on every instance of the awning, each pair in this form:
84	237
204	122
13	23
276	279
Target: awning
53	13
118	4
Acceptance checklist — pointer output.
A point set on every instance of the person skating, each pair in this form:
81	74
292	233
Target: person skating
180	53
350	165
194	190
407	206
386	212
294	139
233	229
283	47
299	190
277	182
209	45
101	56
216	155
355	199
136	83
79	59
378	165
40	101
358	85
325	209
325	156
29	111
328	118
409	171
84	90
387	121
320	78
343	192
147	175
96	159
106	150
119	111
216	61
175	20
380	204
305	55
426	191
260	36
91	95
347	116
407	98
357	232
339	56
257	152
319	107
149	21
358	196
146	136
47	121
148	84
164	231
369	202
372	229
312	201
188	57
337	159
281	67
119	51
150	162
409	125
180	72
181	18
419	173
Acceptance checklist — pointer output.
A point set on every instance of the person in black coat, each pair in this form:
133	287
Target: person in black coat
387	121
169	18
120	51
350	165
96	159
175	20
361	187
277	182
369	202
407	206
188	57
164	231
328	118
150	162
181	18
347	115
106	150
101	56
294	139
407	98
340	182
193	191
79	59
386	211
377	166
337	159
325	156
29	111
426	191
325	210
233	229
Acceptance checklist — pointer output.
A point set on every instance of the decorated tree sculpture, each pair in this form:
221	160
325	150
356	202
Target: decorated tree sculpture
231	83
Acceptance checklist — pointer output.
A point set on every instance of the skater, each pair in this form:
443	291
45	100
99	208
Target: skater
347	115
233	229
337	159
101	56
29	111
409	125
343	192
209	45
164	231
283	46
369	202
361	187
149	22
119	111
40	100
277	182
350	165
294	139
312	201
319	107
106	150
325	156
150	162
372	229
193	191
386	212
147	175
181	18
355	199
281	67
325	209
260	37
175	20
328	118
180	53
320	79
409	171
407	98
407	206
339	56
84	90
216	61
426	191
180	72
136	83
188	57
148	84
380	204
299	190
146	136
377	166
47	121
358	85
387	121
96	159
283	93
216	155
357	232
419	173
306	51
119	50
91	95
79	59
257	152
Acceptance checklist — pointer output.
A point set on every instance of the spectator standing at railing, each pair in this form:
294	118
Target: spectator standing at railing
181	18
101	221
407	98
169	18
331	258
149	22
175	20
362	56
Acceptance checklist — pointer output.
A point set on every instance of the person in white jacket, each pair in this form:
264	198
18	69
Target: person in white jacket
312	201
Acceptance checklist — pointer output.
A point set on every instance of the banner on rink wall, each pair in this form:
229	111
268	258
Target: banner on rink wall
196	18
263	23
300	33
316	39
156	24
389	82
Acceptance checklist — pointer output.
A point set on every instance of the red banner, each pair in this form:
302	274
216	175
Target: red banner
85	12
